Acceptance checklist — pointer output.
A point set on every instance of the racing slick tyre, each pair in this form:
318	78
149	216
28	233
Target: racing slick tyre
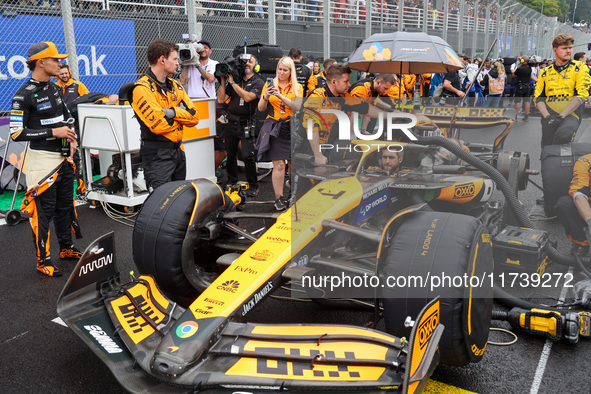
440	245
160	231
558	162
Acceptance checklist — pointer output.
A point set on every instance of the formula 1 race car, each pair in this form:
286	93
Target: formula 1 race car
356	219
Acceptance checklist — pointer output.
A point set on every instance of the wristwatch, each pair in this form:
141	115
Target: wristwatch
232	82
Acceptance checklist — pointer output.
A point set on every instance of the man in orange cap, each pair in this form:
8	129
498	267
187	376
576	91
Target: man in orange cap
39	115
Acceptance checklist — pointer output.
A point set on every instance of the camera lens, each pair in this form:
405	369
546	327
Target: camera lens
184	55
221	69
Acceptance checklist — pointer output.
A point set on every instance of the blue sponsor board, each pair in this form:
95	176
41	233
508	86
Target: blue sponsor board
371	205
104	63
508	48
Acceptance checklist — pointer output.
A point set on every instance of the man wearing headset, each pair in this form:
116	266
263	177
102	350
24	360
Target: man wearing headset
560	90
242	98
71	89
163	109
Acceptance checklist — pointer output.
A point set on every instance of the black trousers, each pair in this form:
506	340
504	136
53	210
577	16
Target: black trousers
55	204
571	220
560	134
162	164
235	133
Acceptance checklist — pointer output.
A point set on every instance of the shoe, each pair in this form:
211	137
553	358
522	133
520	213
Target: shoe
252	191
526	118
263	172
47	267
280	204
70	253
287	201
219	176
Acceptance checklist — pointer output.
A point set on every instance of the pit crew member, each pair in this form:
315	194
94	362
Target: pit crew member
163	109
574	210
560	90
71	89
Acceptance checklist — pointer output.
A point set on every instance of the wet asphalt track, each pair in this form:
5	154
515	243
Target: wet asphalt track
39	355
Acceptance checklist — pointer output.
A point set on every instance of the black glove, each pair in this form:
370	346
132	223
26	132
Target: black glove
554	120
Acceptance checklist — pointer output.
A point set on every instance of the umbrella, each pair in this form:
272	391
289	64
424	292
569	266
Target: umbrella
404	53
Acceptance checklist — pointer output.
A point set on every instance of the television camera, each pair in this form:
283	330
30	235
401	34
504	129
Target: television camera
234	66
189	51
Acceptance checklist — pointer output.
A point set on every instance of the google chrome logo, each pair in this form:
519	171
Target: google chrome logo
187	329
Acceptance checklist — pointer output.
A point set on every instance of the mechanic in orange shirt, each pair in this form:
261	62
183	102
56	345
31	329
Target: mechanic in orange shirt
71	89
319	80
163	109
574	210
373	88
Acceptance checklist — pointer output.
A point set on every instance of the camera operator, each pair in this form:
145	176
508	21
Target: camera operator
199	78
523	77
242	97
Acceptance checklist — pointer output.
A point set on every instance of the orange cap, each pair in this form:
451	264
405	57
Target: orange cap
43	50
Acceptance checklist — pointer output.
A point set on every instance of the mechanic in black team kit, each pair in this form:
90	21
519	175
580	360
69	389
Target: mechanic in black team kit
38	115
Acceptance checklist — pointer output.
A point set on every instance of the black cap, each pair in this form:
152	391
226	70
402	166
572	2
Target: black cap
205	42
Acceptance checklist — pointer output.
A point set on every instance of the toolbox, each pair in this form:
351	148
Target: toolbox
518	249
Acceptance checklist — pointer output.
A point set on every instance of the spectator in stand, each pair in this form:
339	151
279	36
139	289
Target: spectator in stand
258	9
274	142
71	89
339	11
51	2
319	81
312	10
